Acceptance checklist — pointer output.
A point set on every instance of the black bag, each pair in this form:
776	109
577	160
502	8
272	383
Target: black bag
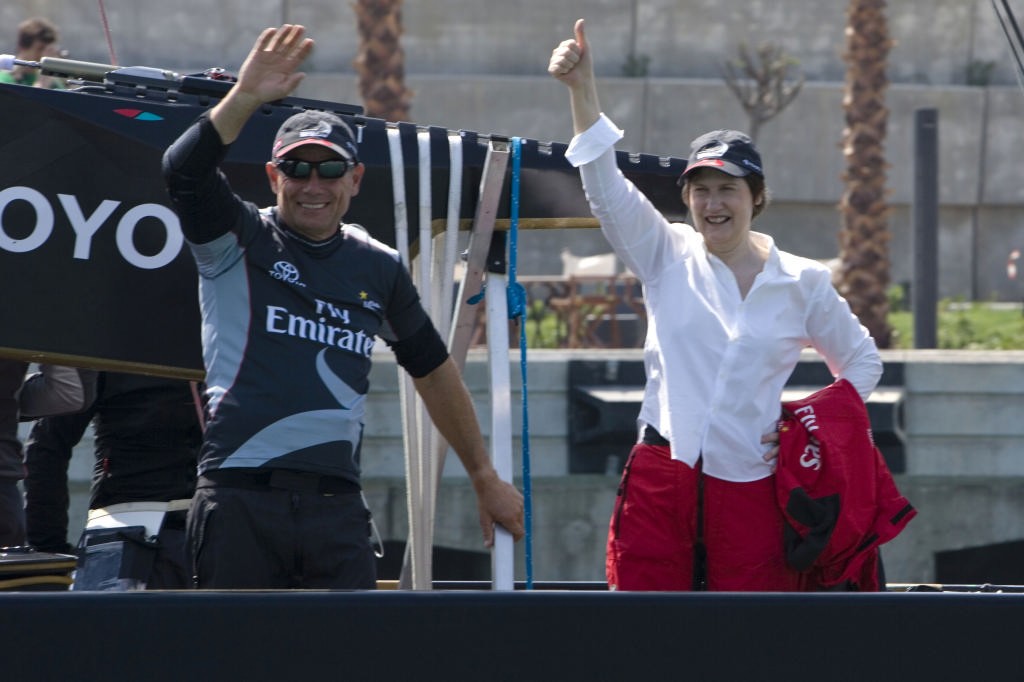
114	559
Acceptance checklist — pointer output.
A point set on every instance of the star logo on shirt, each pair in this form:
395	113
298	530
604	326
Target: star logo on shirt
367	303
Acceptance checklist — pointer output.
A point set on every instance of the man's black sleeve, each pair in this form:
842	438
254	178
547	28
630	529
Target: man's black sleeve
199	191
421	353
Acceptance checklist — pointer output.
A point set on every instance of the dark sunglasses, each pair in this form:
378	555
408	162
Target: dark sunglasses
327	170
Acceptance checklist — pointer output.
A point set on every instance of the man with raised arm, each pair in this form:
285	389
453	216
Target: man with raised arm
292	302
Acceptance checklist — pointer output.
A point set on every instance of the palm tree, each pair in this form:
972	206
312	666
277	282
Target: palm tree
380	62
863	274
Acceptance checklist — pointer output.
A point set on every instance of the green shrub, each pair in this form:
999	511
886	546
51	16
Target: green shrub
961	325
966	326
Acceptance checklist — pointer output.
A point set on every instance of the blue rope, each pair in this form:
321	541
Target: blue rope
517	308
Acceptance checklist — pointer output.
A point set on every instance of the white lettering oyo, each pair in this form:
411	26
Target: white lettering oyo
86	227
126	229
44	219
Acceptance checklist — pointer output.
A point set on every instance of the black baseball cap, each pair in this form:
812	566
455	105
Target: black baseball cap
316	127
729	151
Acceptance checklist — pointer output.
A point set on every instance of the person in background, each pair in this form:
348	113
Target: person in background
728	316
147	434
37	38
292	301
52	390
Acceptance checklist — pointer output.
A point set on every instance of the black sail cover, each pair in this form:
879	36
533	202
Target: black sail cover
93	265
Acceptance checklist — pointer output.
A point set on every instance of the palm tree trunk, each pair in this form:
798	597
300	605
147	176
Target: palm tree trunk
380	62
863	275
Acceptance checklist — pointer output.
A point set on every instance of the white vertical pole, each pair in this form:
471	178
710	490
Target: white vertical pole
418	577
426	239
425	432
463	319
445	257
502	557
398	192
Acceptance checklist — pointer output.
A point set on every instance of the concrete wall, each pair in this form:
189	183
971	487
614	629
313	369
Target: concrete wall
935	40
964	455
481	66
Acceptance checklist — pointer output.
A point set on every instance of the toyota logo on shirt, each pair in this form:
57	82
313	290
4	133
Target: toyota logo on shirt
286	272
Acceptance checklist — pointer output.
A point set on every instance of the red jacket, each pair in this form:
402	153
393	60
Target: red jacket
835	490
